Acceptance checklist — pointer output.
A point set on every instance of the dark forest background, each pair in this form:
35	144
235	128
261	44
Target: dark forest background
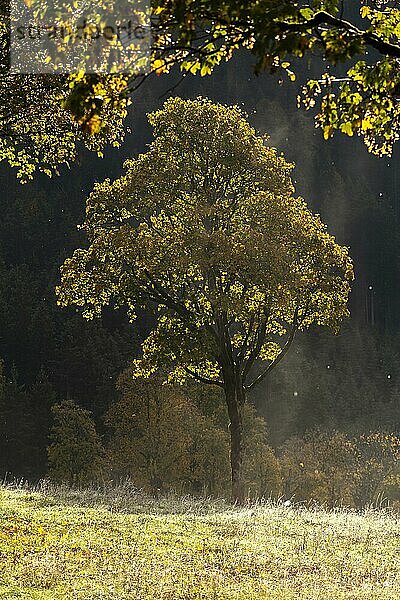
349	382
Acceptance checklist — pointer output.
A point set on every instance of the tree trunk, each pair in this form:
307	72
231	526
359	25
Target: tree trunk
236	431
233	398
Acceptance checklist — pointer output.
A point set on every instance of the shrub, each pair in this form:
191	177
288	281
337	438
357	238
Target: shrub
154	430
261	469
332	468
377	474
319	467
75	454
173	437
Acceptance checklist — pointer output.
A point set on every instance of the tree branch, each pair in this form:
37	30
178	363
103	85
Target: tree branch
324	18
280	356
260	339
202	379
243	347
165	298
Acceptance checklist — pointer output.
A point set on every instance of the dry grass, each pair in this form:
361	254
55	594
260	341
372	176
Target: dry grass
117	544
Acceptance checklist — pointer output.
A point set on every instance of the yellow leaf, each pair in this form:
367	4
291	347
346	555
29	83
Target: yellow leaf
205	70
327	132
347	128
366	124
93	125
365	11
159	66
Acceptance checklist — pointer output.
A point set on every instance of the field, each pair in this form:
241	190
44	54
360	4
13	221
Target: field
118	544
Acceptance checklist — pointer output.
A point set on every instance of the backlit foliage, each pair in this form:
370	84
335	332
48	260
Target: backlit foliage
337	469
198	35
364	101
45	118
204	228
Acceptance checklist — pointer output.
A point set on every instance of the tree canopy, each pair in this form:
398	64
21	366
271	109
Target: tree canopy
205	230
344	54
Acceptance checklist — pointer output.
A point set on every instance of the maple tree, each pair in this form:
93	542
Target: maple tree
204	230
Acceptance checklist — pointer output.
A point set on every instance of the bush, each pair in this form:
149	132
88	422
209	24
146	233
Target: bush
171	437
160	439
75	454
261	468
319	467
377	475
331	468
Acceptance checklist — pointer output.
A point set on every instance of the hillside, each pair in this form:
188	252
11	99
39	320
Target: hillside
57	544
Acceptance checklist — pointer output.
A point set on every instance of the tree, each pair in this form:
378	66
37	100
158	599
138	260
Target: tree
204	230
261	471
164	437
150	441
42	397
377	459
321	466
75	454
16	439
331	467
39	131
24	424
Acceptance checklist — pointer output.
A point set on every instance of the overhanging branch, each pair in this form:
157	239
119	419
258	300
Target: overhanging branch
325	18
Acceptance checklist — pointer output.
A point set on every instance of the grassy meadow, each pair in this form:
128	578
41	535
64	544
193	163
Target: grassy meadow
118	544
